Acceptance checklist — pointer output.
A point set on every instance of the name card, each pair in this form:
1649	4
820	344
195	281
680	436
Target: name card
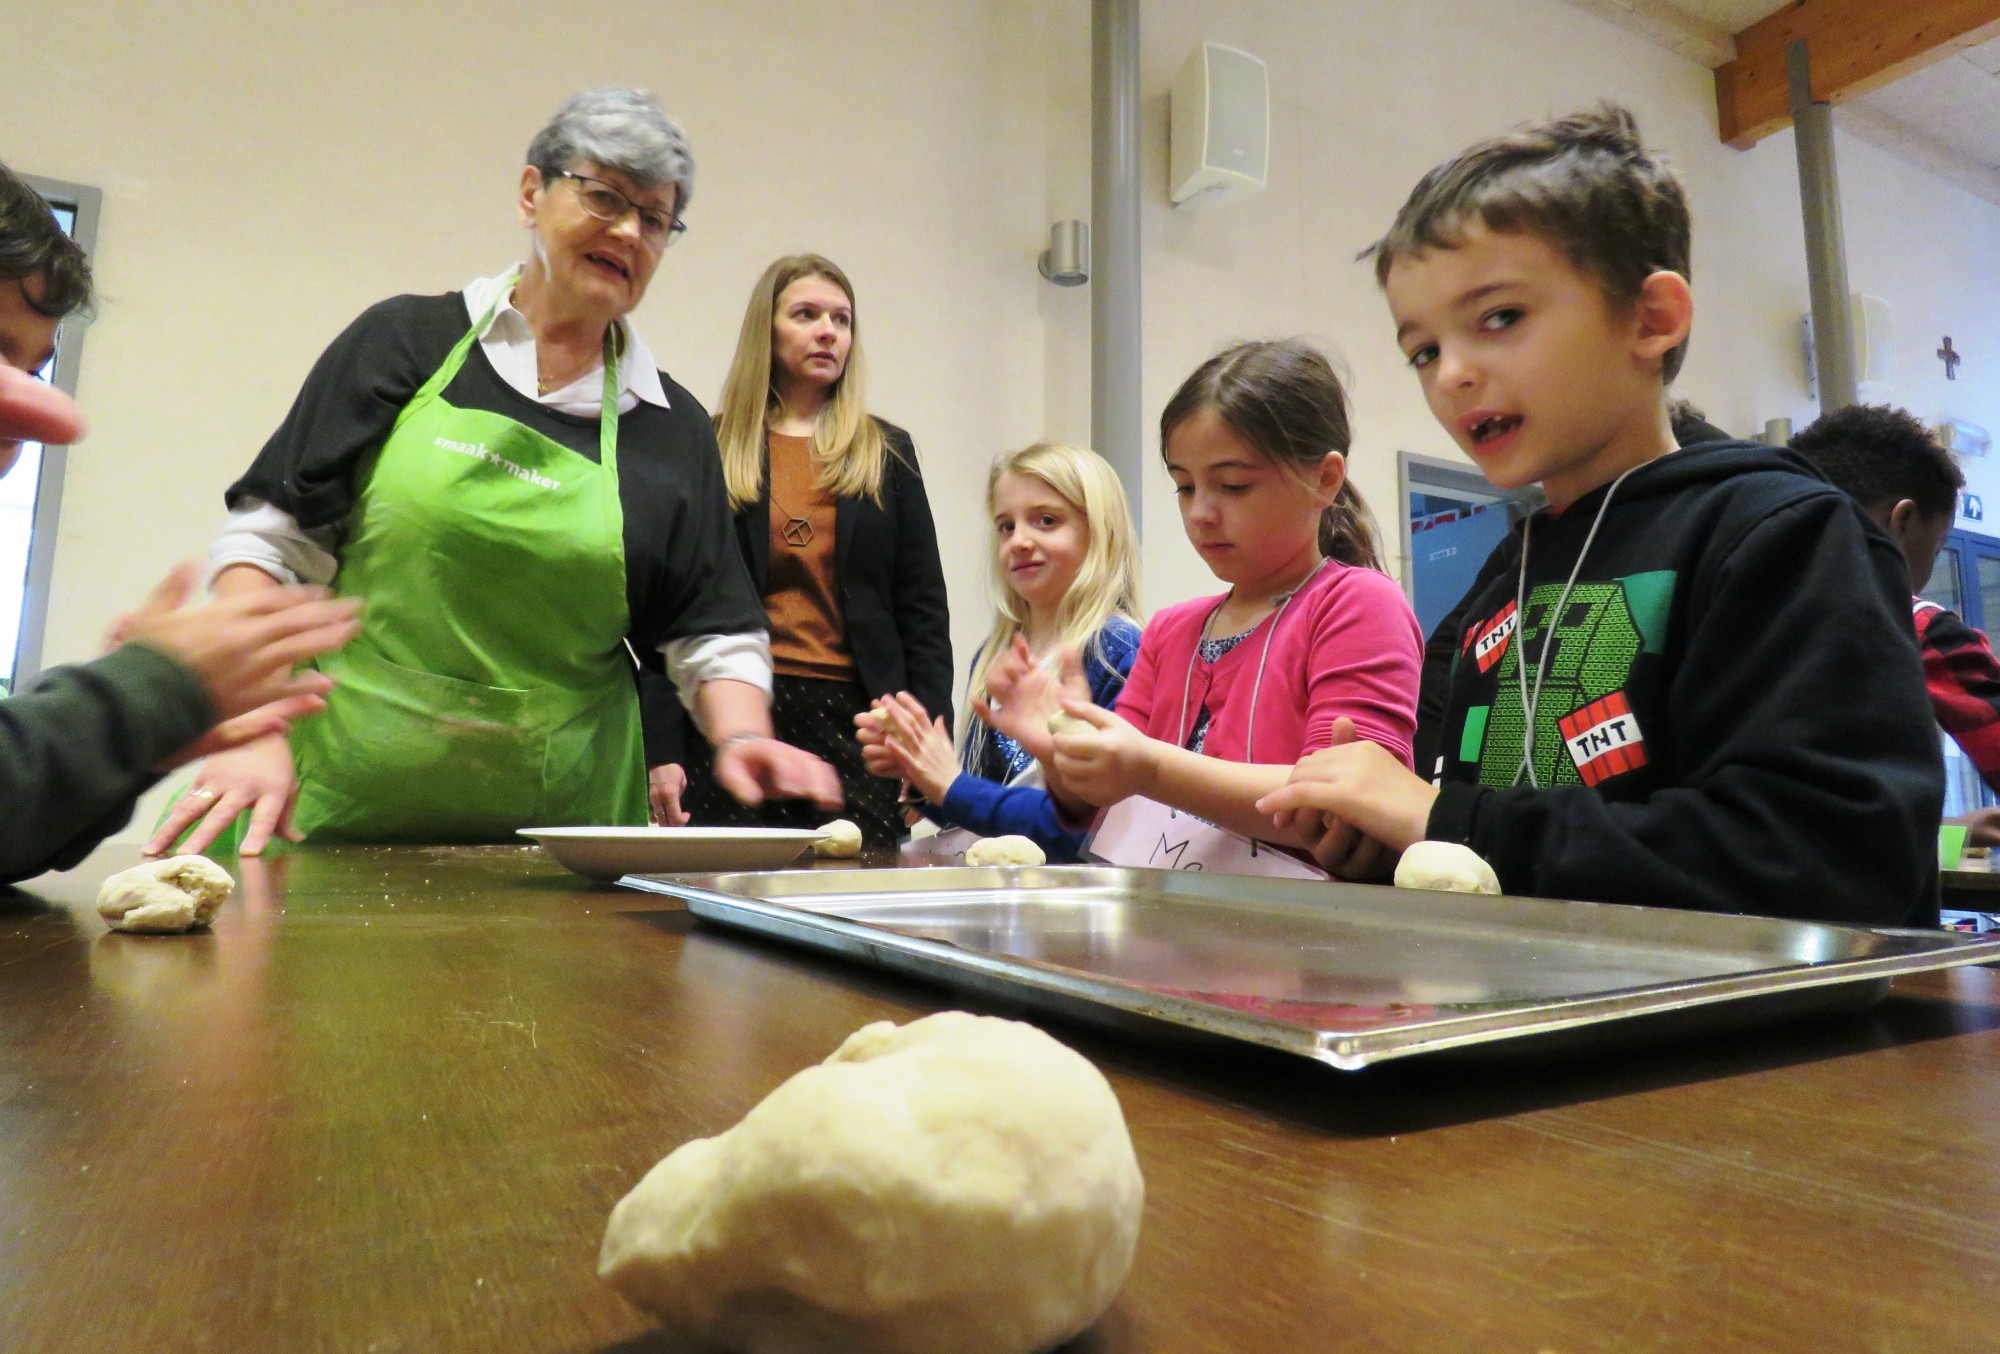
1144	832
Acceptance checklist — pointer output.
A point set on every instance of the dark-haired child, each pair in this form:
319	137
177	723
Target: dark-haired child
1889	463
1311	641
1689	682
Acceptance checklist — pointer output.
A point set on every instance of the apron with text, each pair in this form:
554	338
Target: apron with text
490	688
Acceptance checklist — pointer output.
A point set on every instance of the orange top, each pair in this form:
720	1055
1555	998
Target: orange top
802	598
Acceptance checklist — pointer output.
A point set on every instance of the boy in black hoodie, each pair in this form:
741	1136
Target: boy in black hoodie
1691	681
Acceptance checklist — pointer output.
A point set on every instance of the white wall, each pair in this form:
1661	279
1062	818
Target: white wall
269	171
1368	95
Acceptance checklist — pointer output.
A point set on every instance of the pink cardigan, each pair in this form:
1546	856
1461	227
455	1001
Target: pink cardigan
1347	645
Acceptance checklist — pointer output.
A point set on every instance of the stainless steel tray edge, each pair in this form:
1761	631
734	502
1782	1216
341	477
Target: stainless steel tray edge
1004	975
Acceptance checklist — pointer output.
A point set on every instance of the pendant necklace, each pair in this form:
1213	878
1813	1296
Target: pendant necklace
797	531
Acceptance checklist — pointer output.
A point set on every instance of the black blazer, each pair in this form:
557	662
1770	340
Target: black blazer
892	595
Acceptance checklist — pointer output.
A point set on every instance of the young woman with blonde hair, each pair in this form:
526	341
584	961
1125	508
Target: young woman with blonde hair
1066	586
831	517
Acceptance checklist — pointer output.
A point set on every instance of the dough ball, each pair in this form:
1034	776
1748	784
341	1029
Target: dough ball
957	1185
838	838
1447	866
175	894
880	718
1004	851
1063	719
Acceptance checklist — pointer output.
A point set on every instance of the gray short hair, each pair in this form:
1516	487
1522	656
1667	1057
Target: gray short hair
621	129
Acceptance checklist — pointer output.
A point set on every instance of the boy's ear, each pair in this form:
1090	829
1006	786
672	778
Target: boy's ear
1902	517
1664	314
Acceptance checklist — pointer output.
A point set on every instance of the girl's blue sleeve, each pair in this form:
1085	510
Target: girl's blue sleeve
995	810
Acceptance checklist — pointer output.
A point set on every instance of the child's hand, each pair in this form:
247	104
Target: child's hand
1021	694
919	747
1373	807
871	730
1102	759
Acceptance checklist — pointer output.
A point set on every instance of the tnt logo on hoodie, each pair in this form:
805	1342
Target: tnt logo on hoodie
1603	739
1489	642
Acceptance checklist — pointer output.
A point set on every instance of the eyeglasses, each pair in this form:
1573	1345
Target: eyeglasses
658	229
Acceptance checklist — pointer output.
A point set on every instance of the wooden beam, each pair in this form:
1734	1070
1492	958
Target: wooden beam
1856	46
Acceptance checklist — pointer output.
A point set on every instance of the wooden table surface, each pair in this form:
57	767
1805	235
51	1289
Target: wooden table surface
387	1104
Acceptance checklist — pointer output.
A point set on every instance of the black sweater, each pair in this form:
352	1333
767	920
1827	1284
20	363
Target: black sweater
1733	717
79	747
681	577
892	595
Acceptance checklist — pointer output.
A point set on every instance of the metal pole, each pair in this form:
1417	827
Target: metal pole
1826	246
1116	423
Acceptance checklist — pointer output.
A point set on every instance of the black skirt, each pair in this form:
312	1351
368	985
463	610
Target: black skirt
818	716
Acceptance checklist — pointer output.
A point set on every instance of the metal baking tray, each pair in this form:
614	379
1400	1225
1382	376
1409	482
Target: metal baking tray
1348	974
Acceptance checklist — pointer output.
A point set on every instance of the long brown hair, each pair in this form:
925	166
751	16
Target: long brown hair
1282	397
847	445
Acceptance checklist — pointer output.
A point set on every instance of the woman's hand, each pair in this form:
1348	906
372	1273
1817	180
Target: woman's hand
1021	694
759	768
665	784
1099	758
258	777
919	746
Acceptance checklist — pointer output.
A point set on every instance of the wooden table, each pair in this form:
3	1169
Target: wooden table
388	1103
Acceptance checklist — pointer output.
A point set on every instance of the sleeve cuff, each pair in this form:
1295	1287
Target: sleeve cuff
1455	812
709	658
271	539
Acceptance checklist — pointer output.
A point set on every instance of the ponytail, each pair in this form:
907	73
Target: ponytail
1347	531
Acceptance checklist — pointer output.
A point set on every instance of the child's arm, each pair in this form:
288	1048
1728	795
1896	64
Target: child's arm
922	754
1103	759
1964	683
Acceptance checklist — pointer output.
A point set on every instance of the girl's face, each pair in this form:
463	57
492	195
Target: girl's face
811	332
1248	518
1041	538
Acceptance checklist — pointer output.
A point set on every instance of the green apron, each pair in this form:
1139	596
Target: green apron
490	688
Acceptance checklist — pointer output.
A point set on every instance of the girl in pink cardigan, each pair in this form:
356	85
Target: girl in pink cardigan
1311	645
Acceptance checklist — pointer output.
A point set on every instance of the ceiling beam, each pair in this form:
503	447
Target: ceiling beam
1855	46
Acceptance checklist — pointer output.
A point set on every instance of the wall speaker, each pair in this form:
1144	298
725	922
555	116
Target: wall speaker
1218	127
1874	349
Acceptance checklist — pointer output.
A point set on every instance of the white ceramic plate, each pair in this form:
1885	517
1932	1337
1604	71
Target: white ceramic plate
608	852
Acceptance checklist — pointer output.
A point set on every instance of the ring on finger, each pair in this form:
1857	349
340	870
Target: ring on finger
204	794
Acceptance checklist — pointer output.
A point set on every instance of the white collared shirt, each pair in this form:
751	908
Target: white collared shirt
271	539
509	344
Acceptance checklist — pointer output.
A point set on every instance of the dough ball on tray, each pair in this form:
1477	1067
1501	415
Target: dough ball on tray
957	1185
1009	850
175	894
1447	866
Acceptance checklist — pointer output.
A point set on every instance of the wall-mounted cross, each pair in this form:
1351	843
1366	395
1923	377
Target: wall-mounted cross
1950	359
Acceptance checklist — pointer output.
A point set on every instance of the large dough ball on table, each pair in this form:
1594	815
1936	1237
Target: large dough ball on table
175	894
957	1185
1445	865
1009	850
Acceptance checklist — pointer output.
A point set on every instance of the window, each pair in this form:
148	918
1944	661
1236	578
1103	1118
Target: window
31	494
1451	521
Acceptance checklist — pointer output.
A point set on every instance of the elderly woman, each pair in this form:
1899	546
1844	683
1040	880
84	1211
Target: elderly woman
523	501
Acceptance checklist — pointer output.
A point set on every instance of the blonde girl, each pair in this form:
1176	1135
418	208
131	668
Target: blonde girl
1065	582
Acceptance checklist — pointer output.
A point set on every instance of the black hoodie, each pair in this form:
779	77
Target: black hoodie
1733	715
